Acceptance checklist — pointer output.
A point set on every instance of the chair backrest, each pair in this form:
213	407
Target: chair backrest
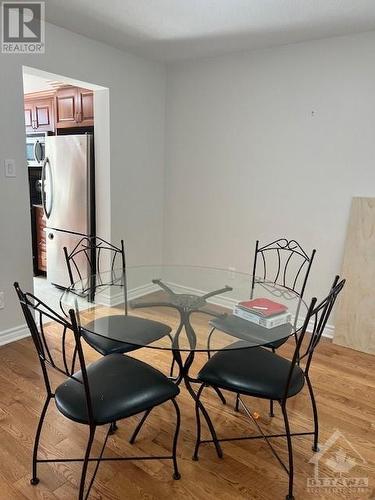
93	256
283	262
314	324
57	342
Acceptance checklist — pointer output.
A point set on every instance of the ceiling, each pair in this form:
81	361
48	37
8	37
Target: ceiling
34	83
36	80
170	30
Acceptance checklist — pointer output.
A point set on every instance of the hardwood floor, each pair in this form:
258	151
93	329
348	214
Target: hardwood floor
344	383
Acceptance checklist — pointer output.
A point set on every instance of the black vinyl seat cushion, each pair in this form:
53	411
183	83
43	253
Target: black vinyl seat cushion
143	331
253	334
252	371
275	345
120	386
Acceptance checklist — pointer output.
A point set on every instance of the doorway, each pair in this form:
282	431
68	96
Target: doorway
65	149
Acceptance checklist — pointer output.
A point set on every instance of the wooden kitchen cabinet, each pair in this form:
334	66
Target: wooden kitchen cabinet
74	107
86	104
28	108
67	107
39	114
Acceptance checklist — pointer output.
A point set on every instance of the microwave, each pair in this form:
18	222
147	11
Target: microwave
36	149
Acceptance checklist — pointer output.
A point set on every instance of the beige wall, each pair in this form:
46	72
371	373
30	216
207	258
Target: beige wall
137	113
267	144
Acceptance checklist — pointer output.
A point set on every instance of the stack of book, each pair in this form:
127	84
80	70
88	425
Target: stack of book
263	312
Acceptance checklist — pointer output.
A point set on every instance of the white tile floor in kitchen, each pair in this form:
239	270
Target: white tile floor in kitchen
48	293
51	295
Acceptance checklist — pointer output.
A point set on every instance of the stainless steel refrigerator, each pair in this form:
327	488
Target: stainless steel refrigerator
68	199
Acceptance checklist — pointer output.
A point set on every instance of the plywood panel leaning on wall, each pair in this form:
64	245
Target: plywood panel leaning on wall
355	315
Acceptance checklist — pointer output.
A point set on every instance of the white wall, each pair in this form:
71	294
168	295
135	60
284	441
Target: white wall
245	158
268	144
137	114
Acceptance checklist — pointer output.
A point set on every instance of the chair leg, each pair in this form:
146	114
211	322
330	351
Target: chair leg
289	496
218	391
113	428
139	426
272	414
172	368
173	360
34	479
176	474
237	405
198	422
209	342
85	464
221	395
271	408
315	446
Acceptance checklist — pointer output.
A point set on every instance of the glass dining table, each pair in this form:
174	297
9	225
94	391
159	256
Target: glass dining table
102	299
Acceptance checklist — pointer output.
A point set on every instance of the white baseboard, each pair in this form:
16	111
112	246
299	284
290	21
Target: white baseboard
116	299
13	334
328	332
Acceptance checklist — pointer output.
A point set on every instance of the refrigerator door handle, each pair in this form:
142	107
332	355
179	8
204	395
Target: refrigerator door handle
47	209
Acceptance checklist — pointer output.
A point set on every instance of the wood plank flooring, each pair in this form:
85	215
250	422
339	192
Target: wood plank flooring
344	382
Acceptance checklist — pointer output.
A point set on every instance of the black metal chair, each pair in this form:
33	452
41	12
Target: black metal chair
113	388
263	374
289	261
90	252
283	262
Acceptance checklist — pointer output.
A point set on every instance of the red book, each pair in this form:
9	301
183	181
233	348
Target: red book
262	307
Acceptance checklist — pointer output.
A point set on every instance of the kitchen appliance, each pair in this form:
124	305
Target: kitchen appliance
35	185
35	149
37	221
68	198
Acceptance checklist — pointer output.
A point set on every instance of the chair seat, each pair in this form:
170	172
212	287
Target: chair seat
143	331
120	386
275	345
251	371
253	334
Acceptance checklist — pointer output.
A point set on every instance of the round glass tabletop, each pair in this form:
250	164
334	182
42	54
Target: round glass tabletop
195	302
